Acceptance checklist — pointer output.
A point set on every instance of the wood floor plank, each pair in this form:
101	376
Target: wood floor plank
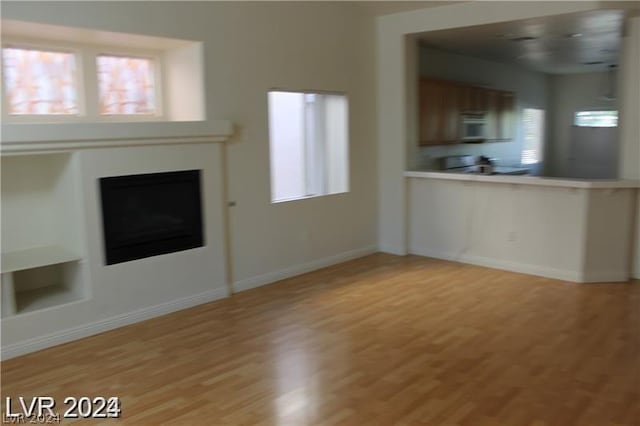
382	340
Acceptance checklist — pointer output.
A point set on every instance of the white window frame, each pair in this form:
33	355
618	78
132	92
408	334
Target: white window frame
86	82
317	186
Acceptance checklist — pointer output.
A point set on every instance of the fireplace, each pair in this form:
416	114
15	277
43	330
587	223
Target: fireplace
150	214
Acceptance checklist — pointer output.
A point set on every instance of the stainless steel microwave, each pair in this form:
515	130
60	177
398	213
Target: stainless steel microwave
474	128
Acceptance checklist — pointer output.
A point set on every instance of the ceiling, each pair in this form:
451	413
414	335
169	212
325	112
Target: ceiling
560	44
378	8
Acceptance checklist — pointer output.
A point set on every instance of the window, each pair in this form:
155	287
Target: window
308	141
533	135
125	85
77	82
39	82
596	119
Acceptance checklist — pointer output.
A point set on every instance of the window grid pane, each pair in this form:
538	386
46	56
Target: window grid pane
39	82
126	85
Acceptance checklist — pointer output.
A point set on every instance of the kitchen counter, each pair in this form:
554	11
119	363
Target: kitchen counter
570	229
525	180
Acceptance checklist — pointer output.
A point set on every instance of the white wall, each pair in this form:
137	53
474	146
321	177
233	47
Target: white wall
571	93
250	48
529	87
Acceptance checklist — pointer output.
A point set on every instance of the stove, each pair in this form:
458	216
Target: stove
459	164
468	164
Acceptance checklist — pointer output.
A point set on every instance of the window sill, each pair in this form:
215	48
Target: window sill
55	137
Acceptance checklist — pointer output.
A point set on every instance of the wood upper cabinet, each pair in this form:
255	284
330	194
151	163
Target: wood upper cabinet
452	109
440	106
442	103
492	113
431	112
474	99
506	116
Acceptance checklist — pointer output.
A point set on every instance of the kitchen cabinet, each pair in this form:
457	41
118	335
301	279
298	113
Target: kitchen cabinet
474	99
506	116
442	103
452	108
492	113
440	106
431	112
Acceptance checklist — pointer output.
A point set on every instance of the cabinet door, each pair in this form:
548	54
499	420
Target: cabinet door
466	98
452	108
431	114
473	99
506	116
480	99
492	113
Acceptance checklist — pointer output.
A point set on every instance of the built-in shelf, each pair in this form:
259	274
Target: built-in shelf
40	279
36	257
45	297
40	210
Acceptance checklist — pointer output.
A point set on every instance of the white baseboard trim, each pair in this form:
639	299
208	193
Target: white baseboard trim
605	276
271	277
398	251
524	268
35	344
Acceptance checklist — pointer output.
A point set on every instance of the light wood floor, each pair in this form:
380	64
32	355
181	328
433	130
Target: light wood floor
382	340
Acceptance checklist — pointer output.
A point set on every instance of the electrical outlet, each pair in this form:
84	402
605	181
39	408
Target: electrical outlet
512	236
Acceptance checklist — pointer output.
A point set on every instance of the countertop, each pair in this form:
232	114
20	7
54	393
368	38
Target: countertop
526	180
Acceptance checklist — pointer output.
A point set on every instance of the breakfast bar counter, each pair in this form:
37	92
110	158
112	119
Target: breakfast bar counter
525	180
571	229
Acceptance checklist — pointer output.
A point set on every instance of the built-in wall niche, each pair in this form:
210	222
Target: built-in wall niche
42	287
42	229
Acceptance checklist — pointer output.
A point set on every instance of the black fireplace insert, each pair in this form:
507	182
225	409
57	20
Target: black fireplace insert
150	214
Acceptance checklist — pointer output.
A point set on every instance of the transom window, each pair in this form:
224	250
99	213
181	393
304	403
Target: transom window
74	82
126	85
40	82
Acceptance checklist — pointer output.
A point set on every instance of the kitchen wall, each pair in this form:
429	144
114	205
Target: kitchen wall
531	90
250	47
570	93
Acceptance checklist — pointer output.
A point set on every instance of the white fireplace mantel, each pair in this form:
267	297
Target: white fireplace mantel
23	138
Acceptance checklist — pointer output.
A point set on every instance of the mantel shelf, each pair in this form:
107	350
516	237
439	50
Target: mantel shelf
36	257
24	138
